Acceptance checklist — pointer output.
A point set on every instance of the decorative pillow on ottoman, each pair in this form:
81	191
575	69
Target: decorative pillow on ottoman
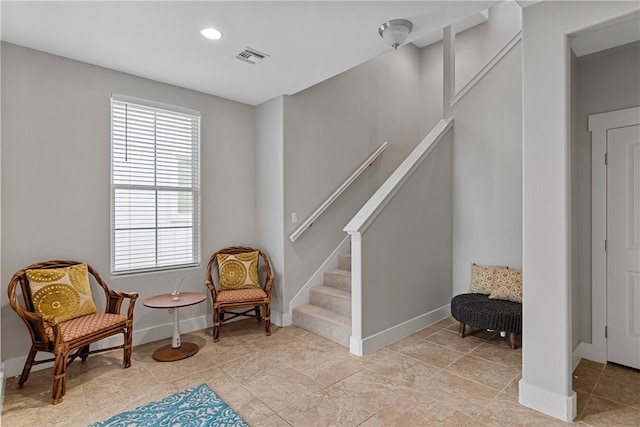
508	285
64	293
239	271
483	278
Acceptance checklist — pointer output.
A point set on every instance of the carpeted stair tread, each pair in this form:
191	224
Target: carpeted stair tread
331	298
323	322
338	278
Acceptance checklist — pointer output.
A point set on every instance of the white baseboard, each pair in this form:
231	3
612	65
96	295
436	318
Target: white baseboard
13	366
576	357
390	335
594	352
287	319
558	406
280	319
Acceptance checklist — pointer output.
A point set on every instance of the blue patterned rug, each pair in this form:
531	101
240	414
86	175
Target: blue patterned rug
198	406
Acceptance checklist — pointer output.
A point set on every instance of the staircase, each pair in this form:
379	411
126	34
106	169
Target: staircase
328	313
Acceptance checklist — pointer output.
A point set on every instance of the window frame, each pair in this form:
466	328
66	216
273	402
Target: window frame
194	189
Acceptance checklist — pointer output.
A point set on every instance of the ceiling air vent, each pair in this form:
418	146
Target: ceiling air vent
251	55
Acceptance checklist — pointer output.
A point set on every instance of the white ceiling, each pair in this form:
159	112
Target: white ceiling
308	42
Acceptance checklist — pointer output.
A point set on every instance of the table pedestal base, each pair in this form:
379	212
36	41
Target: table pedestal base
170	354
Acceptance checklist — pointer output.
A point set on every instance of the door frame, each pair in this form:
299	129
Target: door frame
599	124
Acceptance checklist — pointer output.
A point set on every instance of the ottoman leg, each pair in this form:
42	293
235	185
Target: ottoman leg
512	340
461	331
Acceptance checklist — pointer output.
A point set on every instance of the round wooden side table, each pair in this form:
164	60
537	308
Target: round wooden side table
177	350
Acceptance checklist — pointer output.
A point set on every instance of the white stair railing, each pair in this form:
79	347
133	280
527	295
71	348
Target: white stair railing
376	203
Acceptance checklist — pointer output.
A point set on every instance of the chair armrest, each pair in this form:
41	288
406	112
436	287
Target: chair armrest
115	300
38	324
212	289
268	285
37	319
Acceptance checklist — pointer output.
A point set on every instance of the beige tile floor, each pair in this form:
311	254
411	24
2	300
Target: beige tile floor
295	378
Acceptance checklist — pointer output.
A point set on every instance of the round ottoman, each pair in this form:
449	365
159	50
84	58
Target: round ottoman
479	311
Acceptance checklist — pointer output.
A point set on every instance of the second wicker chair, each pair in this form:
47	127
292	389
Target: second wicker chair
250	301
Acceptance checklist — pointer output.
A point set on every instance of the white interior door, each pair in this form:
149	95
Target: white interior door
623	246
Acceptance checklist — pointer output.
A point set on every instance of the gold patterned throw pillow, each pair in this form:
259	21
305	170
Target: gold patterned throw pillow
239	271
508	285
64	293
483	277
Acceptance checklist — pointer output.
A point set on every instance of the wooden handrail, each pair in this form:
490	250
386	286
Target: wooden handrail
323	207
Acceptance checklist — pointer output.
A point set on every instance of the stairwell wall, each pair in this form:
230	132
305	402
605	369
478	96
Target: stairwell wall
487	172
478	45
329	129
487	143
406	252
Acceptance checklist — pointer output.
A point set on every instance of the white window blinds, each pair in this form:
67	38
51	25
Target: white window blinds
155	186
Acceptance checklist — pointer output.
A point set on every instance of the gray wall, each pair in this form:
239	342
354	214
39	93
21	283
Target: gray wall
431	87
478	45
487	149
56	176
606	81
330	129
487	172
474	48
487	143
270	180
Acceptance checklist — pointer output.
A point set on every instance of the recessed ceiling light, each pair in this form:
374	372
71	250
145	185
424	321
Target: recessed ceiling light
211	33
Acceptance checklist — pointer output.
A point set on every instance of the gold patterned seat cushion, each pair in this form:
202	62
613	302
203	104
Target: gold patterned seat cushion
240	295
86	325
64	293
239	271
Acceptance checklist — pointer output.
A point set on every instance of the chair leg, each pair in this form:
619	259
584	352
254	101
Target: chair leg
512	340
462	330
216	324
267	319
126	353
257	310
84	352
27	367
59	378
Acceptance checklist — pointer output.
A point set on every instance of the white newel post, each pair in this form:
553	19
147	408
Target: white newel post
355	342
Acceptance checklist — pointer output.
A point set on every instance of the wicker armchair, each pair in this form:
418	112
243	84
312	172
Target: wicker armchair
69	339
251	300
